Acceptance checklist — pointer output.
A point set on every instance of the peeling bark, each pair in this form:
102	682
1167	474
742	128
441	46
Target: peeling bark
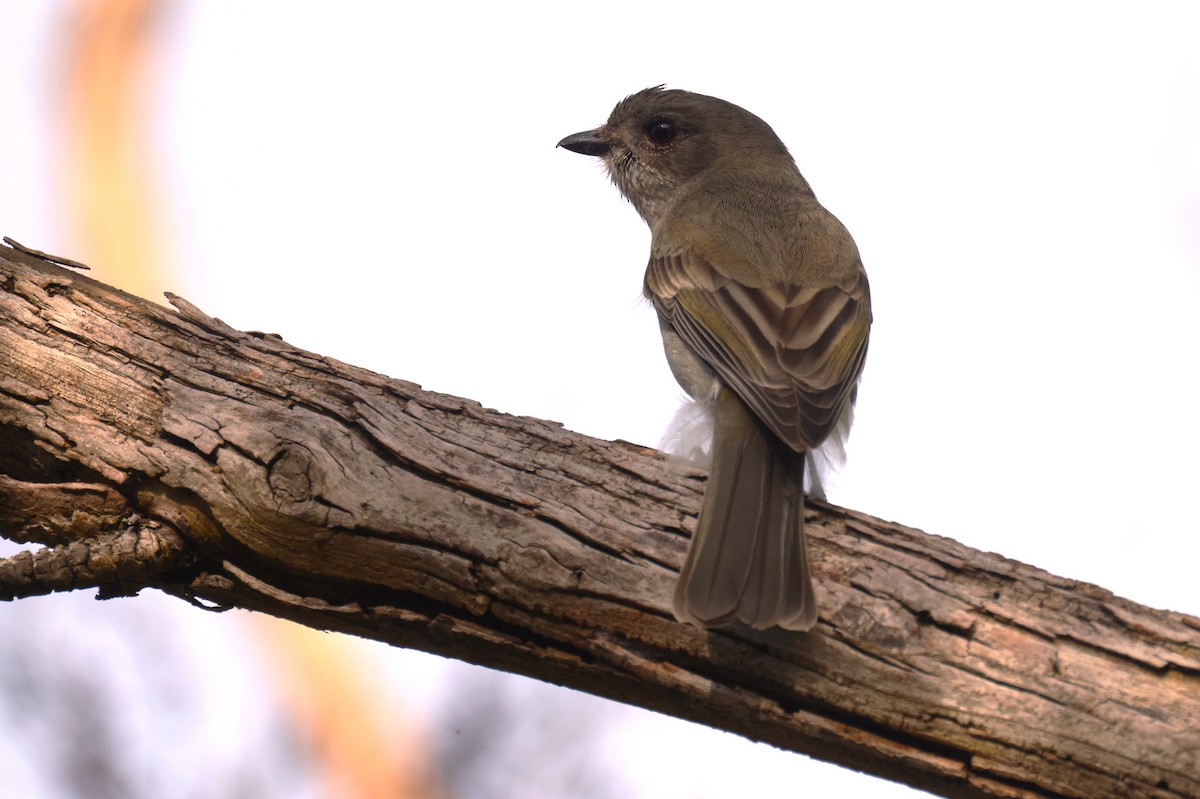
152	448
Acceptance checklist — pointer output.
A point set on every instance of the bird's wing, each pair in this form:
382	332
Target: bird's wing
792	353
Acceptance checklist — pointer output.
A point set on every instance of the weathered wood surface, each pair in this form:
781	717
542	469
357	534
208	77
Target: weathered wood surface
232	468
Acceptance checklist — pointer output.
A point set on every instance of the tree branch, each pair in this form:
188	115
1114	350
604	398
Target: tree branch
232	468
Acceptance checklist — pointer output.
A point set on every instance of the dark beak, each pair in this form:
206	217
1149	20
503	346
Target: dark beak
586	143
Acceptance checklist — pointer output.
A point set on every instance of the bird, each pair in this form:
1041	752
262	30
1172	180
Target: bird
765	314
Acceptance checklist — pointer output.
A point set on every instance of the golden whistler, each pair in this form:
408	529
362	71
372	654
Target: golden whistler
765	314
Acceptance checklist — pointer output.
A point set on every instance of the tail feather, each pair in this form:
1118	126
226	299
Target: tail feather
747	561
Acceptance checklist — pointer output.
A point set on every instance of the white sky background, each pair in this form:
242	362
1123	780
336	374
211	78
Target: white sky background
383	186
380	184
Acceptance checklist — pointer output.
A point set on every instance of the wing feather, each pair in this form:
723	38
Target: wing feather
792	353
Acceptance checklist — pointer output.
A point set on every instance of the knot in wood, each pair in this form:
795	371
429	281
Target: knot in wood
292	474
534	565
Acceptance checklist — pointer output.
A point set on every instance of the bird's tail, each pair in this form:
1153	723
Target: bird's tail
747	561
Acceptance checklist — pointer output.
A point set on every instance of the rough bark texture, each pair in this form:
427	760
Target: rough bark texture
146	447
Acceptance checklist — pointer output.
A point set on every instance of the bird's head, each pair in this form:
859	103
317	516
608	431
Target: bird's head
658	141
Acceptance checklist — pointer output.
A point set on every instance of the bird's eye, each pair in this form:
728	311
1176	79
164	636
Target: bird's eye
661	131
